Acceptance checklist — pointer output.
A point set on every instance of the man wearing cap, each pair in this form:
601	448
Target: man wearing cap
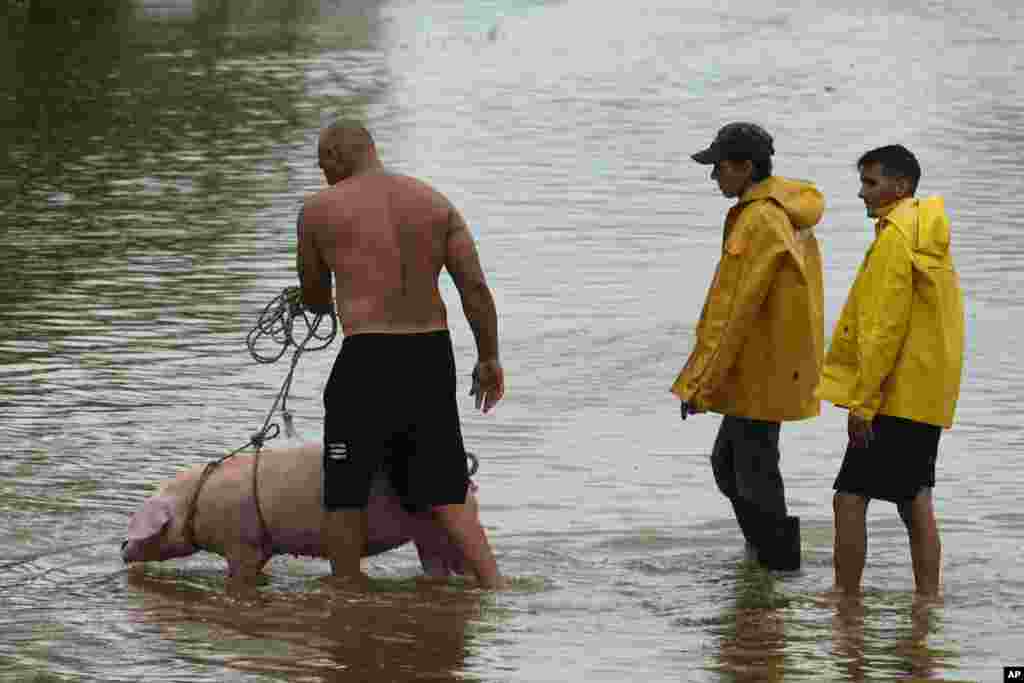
760	339
895	363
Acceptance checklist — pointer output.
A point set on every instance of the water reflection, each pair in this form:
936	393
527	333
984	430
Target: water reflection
397	630
888	636
769	633
752	643
848	638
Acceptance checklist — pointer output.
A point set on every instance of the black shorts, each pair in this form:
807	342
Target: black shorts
897	463
390	405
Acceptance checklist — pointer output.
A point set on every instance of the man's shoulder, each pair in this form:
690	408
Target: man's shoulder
411	188
312	200
397	179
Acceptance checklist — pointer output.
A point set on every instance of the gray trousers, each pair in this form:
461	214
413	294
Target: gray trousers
745	460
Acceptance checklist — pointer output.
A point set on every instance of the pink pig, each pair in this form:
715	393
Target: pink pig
227	522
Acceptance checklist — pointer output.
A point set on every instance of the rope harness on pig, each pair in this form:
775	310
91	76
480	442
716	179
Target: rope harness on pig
189	529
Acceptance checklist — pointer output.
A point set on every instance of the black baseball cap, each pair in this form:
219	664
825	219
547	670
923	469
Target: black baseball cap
737	141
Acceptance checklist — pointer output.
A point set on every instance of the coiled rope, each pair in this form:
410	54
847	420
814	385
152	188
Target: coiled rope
277	323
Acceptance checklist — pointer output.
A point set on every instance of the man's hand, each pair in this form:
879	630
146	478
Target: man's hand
859	430
686	409
488	384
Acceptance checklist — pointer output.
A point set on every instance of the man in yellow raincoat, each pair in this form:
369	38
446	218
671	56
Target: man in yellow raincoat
760	339
895	363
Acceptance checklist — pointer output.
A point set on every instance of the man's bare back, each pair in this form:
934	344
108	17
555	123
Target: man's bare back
386	238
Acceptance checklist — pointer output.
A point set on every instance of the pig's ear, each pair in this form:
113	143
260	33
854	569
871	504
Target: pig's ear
151	519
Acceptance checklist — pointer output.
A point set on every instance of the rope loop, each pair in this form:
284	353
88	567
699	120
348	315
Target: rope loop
277	323
271	431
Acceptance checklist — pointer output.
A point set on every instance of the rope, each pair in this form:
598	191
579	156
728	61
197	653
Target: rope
277	322
189	529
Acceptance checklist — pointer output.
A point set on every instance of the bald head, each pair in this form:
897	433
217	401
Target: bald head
345	149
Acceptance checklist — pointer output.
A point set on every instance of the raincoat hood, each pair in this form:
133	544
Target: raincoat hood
923	222
803	203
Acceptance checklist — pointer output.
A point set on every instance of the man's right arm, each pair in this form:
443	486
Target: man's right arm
314	274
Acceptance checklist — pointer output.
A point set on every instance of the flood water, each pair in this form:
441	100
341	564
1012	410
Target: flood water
156	154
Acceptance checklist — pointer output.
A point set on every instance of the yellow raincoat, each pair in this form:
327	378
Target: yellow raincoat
760	339
898	346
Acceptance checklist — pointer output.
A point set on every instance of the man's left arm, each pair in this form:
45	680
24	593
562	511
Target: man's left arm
314	274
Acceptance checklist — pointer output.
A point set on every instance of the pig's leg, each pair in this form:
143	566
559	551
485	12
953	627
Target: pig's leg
439	554
245	562
462	522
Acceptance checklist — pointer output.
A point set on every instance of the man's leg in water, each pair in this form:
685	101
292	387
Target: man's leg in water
352	449
850	513
344	537
918	516
462	522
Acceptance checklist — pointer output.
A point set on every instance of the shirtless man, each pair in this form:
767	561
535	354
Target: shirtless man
390	399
